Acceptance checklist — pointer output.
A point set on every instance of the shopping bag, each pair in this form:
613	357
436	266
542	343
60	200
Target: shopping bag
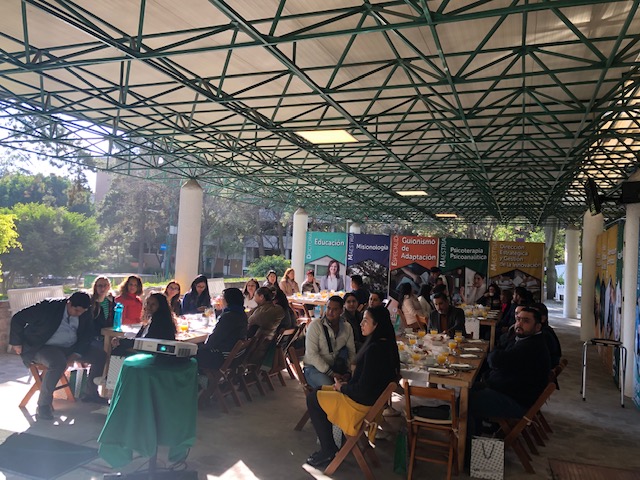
472	326
401	454
115	365
487	458
78	380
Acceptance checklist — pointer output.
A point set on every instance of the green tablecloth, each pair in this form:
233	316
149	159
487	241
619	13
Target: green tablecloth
154	403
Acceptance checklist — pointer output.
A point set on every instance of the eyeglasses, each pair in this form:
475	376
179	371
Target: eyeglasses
173	287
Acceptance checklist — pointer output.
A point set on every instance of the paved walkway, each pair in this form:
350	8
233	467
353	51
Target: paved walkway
258	441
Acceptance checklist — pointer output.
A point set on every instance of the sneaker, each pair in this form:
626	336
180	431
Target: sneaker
44	412
94	398
320	459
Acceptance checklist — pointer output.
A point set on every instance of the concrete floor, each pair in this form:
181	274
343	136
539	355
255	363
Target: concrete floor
257	440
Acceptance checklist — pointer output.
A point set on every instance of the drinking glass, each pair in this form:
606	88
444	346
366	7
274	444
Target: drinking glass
441	358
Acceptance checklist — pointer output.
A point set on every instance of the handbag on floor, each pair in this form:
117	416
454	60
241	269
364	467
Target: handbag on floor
487	458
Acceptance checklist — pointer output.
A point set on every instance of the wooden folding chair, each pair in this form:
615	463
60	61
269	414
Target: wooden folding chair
299	310
279	362
545	428
418	425
306	388
514	428
247	373
219	384
359	444
37	372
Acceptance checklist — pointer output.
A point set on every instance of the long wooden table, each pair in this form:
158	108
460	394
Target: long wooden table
462	379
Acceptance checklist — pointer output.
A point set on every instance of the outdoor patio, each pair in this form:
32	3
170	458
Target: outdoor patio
258	440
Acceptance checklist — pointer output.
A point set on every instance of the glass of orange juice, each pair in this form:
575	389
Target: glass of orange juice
441	358
433	331
452	346
421	333
415	356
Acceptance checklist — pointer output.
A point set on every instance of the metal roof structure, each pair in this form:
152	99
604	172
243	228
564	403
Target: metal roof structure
495	109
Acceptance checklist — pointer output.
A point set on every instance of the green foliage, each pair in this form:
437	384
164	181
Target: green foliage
8	234
54	241
261	266
560	280
51	190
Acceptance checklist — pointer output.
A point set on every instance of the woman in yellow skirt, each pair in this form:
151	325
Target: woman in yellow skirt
345	404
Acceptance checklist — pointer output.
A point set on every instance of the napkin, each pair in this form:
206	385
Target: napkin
438	370
475	341
473	349
461	365
468	355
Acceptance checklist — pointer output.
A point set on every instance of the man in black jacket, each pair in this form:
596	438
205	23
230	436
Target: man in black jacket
518	372
56	333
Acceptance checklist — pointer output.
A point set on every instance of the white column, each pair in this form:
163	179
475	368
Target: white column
591	227
571	258
355	228
299	243
189	225
629	292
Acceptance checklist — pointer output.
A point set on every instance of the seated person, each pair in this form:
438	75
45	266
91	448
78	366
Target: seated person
266	318
172	292
376	299
288	283
289	319
358	289
446	318
491	298
353	316
271	280
347	403
56	333
130	292
231	327
249	291
409	307
424	298
310	285
518	373
161	325
553	344
197	299
327	339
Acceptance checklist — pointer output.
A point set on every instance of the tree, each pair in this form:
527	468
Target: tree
8	235
261	266
52	190
134	219
54	241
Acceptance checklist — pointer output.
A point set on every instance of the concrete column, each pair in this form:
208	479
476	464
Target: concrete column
299	243
629	291
591	227
189	225
355	228
571	259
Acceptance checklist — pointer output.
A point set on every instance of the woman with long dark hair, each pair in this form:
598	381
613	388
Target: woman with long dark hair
346	405
161	325
197	299
249	293
353	317
172	292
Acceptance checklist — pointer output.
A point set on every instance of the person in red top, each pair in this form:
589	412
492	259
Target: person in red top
130	291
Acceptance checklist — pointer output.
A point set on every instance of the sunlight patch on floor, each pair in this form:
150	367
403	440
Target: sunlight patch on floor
239	471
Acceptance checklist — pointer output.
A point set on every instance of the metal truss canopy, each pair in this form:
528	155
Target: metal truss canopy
496	109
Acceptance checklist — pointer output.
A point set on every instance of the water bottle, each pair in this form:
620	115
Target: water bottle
397	326
316	311
117	317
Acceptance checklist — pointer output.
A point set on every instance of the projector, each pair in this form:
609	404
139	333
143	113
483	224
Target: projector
166	347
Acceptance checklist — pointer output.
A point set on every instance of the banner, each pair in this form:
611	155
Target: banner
608	301
368	255
517	264
326	255
466	262
412	258
636	351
